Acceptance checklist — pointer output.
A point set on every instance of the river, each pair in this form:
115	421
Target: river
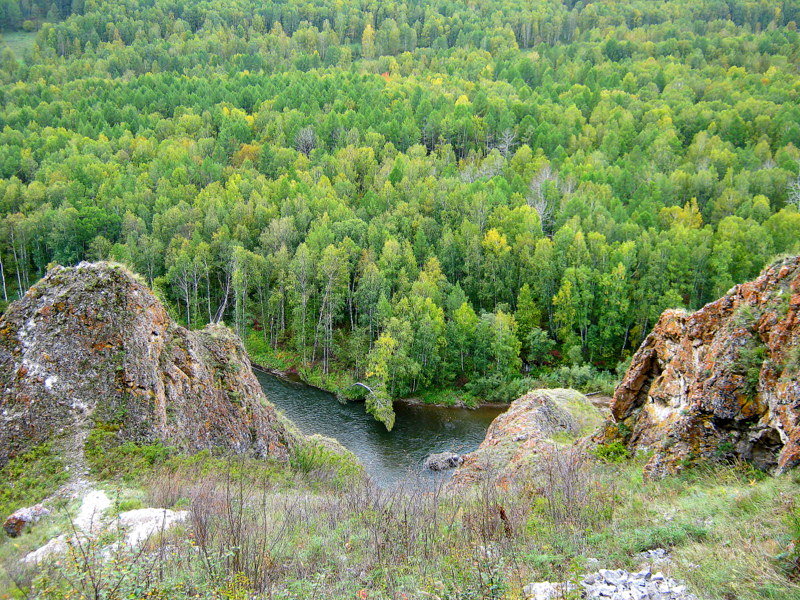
389	457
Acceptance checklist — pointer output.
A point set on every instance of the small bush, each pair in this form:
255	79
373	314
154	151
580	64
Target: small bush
110	459
749	362
612	452
315	457
30	478
745	317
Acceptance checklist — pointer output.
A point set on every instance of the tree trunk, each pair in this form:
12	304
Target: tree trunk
3	277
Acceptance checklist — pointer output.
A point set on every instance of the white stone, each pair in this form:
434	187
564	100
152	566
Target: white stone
136	525
53	547
545	590
95	504
141	523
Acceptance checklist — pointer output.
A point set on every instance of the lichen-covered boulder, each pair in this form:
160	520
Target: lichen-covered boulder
16	522
92	344
720	383
533	425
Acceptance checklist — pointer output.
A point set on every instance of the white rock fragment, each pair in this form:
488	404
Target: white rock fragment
545	590
618	584
90	516
135	525
141	523
53	547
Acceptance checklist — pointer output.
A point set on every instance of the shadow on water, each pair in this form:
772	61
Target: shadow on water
389	457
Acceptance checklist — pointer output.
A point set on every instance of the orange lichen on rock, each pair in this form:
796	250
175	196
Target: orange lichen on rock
720	383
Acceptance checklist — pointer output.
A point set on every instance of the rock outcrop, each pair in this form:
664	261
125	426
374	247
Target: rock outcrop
534	424
92	344
720	383
93	526
24	517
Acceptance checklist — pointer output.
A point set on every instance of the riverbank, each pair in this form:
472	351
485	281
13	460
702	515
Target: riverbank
390	458
596	384
452	398
289	365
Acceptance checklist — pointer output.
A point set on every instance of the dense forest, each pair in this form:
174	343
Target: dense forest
421	195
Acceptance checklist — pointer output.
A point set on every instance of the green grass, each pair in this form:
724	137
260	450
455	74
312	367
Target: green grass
726	527
18	41
312	460
729	530
324	460
109	459
30	478
449	397
612	452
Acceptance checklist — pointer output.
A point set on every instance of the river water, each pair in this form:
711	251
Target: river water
389	457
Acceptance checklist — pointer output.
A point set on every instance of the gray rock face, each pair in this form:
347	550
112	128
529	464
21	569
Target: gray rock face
607	584
443	461
92	343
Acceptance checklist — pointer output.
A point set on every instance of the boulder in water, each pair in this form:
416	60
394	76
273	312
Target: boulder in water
443	461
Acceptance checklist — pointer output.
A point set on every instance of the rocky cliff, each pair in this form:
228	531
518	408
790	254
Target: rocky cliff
92	344
536	423
719	383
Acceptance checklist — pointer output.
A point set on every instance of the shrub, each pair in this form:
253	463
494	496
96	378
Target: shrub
110	459
316	456
30	478
574	496
612	452
749	361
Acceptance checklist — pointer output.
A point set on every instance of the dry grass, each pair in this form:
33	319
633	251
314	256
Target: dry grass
727	532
